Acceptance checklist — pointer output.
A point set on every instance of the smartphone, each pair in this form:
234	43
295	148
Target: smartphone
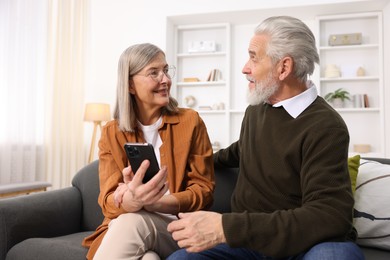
137	153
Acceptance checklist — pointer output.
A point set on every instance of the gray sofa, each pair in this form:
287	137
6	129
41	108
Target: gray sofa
52	224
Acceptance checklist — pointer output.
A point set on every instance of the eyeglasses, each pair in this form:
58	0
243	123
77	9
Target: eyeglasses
157	74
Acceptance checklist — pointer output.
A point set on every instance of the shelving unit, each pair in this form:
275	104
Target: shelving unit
365	124
211	97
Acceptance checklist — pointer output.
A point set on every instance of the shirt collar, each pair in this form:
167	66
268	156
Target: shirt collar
297	104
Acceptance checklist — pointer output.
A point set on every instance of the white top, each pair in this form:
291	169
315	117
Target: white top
151	136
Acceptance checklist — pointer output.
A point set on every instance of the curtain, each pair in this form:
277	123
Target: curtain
65	153
22	97
42	59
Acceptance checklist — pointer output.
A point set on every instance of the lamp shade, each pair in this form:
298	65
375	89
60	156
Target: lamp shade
97	112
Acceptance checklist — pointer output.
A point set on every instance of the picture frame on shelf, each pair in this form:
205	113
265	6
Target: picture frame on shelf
202	46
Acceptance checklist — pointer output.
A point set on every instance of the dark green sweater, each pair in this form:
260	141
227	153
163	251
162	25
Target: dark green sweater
293	189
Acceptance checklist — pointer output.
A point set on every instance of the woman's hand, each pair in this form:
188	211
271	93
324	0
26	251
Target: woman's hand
133	195
128	175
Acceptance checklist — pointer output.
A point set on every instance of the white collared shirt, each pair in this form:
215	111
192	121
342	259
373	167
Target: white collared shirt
296	105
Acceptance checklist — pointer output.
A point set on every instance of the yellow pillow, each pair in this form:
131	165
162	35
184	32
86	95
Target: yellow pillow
353	166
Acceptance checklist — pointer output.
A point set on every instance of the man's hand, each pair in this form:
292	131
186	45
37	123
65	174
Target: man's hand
198	231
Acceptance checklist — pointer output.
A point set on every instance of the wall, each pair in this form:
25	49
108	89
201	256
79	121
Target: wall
386	51
117	24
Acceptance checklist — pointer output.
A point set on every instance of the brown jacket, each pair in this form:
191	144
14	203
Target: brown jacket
186	151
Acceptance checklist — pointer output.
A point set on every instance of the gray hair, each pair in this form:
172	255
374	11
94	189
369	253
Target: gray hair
291	37
132	61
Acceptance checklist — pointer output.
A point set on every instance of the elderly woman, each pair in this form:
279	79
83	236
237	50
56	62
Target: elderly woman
137	213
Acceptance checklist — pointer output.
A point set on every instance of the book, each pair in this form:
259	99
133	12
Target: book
191	80
365	101
214	75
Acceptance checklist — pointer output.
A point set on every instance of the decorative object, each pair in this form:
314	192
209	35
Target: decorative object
202	46
362	148
190	101
337	97
345	39
332	71
96	113
219	106
216	146
360	72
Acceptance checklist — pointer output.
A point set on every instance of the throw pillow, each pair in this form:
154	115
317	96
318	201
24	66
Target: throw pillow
353	166
372	207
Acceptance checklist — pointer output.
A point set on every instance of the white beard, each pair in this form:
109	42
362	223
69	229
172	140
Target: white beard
263	90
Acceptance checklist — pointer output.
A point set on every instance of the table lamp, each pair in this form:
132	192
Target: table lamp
96	113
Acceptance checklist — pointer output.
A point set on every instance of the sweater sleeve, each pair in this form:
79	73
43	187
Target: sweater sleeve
228	157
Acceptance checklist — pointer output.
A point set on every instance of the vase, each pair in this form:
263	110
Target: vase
338	103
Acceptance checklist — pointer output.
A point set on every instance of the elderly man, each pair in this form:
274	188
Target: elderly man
293	197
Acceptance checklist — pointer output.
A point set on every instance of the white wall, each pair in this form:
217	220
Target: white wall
117	24
386	69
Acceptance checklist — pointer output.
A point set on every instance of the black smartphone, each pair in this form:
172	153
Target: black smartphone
137	153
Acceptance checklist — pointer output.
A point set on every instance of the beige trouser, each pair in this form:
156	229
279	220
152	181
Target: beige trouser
140	235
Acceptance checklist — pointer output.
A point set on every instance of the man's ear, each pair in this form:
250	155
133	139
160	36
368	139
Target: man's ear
286	66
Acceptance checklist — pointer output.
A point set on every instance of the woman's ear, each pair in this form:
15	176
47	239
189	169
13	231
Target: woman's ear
131	87
286	67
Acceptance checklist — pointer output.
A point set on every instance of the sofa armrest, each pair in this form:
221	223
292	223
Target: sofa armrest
45	214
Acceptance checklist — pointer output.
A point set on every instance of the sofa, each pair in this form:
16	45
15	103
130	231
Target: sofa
52	224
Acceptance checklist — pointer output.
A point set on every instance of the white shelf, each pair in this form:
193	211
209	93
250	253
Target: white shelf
365	125
237	111
358	110
201	83
349	47
212	111
215	94
200	54
341	79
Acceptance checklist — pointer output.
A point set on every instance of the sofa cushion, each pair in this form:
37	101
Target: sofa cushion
353	167
59	248
375	253
372	204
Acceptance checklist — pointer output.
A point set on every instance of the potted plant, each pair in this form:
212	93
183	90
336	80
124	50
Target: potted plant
337	97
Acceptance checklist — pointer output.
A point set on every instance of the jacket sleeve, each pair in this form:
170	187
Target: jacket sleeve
111	163
198	180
